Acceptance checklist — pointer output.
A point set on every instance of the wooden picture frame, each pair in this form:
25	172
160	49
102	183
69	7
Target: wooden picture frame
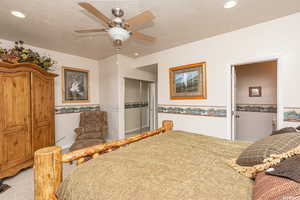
78	90
188	82
255	91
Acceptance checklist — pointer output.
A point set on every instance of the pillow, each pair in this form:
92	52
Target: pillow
277	144
289	198
268	187
284	130
288	168
298	128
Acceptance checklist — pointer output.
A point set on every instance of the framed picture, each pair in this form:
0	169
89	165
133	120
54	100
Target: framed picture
75	85
255	92
188	81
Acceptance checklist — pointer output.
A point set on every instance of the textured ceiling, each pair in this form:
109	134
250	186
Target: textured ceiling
50	23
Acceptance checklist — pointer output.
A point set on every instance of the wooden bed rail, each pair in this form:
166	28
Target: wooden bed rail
48	161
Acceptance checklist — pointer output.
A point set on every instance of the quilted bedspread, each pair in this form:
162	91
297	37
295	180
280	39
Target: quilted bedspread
171	166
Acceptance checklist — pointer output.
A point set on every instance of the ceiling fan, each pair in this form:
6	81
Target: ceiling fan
119	29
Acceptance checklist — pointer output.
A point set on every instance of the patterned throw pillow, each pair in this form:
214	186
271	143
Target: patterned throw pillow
284	130
277	144
288	168
268	187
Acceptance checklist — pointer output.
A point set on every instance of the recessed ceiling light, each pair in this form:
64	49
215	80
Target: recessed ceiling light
230	4
136	54
18	14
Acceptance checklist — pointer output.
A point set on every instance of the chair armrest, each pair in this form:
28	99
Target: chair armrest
78	131
103	132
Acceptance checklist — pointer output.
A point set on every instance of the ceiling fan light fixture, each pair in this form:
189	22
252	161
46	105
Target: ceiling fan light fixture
118	33
118	29
230	4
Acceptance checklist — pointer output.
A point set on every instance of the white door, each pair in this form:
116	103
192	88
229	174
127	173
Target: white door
234	114
252	126
152	105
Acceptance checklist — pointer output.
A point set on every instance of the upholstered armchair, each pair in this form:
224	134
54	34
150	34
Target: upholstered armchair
92	129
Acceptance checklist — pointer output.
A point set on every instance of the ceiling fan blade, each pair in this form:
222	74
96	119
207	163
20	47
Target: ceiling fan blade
95	12
140	19
142	36
91	30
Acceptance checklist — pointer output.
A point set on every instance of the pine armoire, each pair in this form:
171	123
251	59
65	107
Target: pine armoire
26	115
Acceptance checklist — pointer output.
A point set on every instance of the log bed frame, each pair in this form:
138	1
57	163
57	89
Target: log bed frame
48	161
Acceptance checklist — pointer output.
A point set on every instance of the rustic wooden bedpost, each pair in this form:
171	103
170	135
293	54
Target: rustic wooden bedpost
47	173
168	125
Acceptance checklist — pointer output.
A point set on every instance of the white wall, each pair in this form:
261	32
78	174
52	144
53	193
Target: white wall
66	123
113	71
275	38
109	94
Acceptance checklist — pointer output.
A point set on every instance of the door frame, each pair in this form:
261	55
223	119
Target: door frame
230	89
153	105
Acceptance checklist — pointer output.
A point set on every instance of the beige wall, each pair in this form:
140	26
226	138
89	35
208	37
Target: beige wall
259	74
252	126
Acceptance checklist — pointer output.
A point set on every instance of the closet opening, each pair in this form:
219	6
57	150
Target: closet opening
139	106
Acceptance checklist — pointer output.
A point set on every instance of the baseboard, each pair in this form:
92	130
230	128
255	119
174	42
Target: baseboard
136	129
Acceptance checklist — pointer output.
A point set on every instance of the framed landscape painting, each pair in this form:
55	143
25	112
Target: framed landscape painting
75	85
188	81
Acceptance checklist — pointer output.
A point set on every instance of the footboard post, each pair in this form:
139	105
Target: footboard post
47	173
168	125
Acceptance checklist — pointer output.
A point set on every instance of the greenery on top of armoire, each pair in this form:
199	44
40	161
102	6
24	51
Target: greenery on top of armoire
20	54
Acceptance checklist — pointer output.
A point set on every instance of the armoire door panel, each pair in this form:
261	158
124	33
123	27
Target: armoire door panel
15	132
15	148
42	110
41	134
15	99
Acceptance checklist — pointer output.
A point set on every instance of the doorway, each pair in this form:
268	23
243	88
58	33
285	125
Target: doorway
139	106
254	100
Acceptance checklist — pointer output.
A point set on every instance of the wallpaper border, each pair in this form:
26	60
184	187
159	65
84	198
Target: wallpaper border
207	111
292	114
130	105
68	109
264	108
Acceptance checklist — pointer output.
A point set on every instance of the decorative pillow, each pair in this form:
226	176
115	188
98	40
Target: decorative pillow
289	198
268	187
284	130
277	144
288	168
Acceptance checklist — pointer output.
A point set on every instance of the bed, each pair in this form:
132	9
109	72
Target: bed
170	165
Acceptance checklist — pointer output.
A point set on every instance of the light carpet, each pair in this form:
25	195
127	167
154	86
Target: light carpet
22	184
